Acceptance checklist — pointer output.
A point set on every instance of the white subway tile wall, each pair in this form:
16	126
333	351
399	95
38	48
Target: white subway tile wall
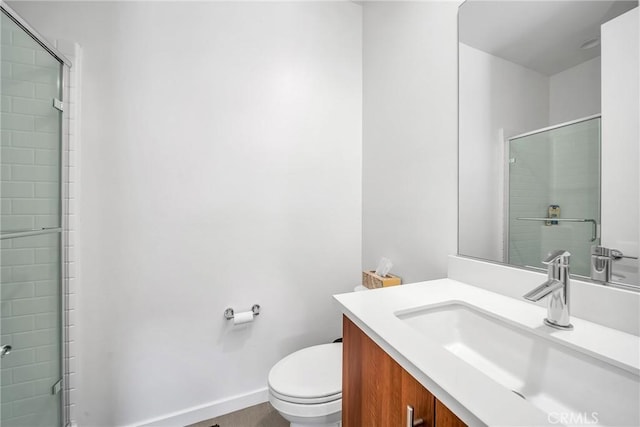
30	266
576	189
529	181
555	168
30	195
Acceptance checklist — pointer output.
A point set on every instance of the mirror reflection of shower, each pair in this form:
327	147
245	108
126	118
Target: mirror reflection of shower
512	81
553	179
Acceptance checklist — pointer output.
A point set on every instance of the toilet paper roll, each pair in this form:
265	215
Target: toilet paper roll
241	318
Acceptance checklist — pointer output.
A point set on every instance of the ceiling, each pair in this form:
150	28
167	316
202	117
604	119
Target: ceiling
540	35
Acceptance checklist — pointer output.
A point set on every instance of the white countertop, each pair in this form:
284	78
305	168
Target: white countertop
474	397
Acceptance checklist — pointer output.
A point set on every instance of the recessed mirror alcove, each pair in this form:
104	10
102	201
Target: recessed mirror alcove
548	132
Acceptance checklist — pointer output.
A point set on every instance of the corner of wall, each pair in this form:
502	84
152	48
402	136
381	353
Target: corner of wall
71	255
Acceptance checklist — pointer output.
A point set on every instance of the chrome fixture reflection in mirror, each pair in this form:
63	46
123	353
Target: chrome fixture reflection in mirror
548	132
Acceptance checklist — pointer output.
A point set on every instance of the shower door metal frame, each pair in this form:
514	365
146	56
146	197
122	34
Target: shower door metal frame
62	230
560	125
507	174
41	40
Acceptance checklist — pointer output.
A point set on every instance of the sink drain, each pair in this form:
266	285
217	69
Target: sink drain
519	394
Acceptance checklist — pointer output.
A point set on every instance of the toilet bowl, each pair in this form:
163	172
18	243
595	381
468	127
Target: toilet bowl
306	386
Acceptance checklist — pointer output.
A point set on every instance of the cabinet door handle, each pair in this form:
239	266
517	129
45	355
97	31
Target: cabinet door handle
410	421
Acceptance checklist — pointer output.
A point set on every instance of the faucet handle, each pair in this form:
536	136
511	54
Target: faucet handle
560	256
614	254
618	255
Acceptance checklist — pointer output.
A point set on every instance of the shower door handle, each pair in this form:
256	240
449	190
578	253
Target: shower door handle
4	350
594	234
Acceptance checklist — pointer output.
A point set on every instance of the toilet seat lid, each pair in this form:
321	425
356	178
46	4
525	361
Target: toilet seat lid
313	373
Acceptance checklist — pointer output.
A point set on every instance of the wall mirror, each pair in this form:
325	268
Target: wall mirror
548	134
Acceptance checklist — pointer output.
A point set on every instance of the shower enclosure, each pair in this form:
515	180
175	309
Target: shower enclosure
554	194
31	226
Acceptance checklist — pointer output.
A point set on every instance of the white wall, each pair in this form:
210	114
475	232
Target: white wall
620	136
221	166
409	136
575	93
498	99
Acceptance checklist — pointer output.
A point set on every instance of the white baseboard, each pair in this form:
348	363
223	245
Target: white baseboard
206	411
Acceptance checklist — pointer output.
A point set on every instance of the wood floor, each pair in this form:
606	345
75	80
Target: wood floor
262	415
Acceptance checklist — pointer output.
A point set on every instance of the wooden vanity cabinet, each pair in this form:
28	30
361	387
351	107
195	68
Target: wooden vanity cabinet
376	390
446	418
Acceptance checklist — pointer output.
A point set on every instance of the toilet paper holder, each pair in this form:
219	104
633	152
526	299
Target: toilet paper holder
229	313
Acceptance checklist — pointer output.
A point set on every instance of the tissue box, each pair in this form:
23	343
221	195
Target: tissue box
372	281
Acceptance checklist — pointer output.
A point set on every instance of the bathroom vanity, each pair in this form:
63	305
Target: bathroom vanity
460	354
377	391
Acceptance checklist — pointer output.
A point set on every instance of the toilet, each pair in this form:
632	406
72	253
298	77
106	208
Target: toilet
306	386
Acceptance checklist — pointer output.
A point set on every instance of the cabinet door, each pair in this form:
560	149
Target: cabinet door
419	398
371	382
446	418
375	389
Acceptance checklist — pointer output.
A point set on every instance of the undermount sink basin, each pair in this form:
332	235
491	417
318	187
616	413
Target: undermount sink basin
570	386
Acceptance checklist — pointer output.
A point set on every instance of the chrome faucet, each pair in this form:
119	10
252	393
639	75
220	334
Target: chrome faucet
557	286
602	263
602	260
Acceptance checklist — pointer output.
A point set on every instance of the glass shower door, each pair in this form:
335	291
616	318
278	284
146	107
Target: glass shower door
30	227
554	194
